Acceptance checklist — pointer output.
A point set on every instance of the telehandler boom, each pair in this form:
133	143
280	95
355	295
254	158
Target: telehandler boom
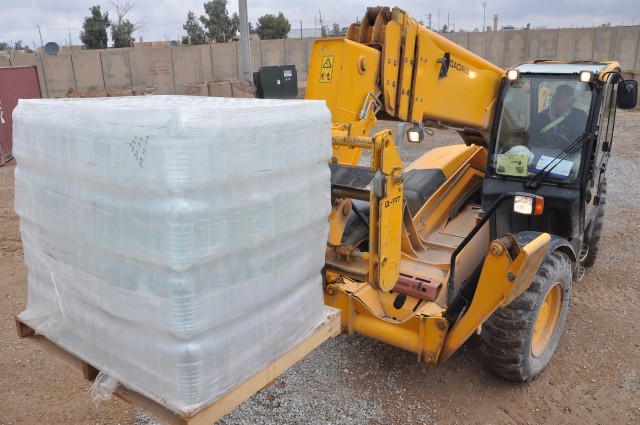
489	235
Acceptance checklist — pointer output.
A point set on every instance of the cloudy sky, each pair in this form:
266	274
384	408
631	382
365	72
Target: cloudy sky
61	20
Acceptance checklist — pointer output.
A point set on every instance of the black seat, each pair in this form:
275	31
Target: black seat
419	185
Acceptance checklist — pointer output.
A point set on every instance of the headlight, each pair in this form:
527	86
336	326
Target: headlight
528	204
415	134
586	76
513	74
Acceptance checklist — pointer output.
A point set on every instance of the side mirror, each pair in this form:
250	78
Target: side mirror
627	94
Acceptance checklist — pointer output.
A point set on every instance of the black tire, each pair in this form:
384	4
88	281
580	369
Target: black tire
508	341
593	244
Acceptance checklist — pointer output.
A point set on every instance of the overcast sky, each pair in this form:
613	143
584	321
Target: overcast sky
61	20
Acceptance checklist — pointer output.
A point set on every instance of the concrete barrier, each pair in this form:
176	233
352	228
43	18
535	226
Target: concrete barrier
627	41
541	44
477	44
495	46
272	52
460	38
566	44
116	68
169	68
153	67
186	67
85	64
225	61
206	65
514	50
295	53
605	39
58	71
256	55
602	43
584	43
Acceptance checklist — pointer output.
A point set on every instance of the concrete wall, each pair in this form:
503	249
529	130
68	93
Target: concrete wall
494	46
508	48
58	71
627	39
296	53
187	67
170	68
513	51
153	67
116	68
86	69
225	61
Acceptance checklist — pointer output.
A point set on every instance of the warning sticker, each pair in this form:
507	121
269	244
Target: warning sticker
512	164
327	69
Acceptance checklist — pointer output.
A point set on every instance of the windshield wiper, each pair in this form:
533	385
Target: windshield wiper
564	154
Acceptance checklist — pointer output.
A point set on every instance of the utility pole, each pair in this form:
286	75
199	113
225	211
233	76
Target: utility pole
429	20
244	40
484	10
300	29
41	42
321	27
70	43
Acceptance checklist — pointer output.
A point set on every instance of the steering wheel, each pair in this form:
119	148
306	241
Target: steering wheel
551	141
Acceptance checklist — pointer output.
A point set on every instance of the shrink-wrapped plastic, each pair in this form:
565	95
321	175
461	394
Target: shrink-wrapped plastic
175	243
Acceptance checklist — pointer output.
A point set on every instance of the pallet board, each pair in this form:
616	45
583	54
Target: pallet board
328	328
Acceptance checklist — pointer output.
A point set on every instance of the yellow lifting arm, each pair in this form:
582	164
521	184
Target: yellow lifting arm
390	62
380	266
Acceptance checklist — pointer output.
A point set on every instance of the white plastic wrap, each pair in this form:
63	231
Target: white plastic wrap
173	242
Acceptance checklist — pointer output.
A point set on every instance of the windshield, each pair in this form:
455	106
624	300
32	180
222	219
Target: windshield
541	116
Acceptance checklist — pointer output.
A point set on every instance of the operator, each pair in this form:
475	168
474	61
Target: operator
551	131
561	118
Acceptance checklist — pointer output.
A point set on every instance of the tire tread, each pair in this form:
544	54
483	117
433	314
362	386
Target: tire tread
506	335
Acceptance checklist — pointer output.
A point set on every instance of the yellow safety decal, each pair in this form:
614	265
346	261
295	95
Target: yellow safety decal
512	164
327	69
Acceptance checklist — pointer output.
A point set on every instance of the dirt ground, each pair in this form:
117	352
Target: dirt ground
594	376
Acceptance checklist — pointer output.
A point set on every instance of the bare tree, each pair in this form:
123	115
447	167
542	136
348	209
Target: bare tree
122	29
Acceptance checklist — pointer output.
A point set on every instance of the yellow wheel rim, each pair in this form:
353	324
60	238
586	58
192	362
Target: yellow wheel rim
547	320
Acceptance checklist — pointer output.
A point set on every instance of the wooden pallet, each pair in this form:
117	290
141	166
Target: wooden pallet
329	328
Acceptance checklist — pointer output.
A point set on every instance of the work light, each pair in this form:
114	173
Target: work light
528	204
415	134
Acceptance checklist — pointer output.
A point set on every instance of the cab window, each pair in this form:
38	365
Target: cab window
540	119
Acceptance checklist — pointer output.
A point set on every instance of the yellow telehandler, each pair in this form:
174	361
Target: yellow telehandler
483	237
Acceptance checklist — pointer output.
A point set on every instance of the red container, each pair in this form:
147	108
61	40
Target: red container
15	83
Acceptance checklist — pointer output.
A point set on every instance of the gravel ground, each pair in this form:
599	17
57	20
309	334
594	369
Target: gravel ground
593	378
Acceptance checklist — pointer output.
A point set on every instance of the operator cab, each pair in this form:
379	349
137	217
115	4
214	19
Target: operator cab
543	116
554	124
